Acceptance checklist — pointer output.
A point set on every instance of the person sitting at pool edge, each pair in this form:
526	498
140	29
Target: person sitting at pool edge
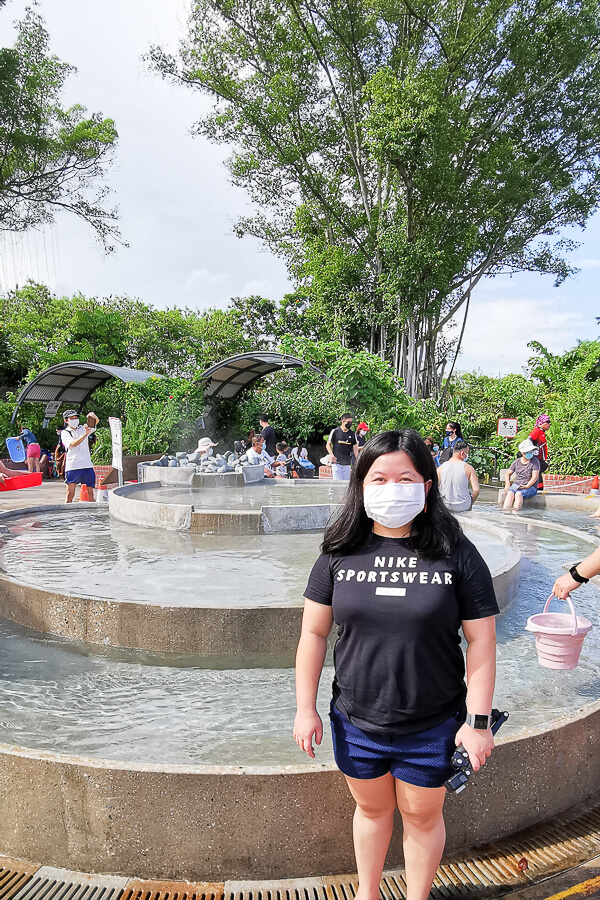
454	477
257	455
526	472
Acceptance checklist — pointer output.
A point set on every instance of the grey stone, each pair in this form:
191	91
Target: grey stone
173	463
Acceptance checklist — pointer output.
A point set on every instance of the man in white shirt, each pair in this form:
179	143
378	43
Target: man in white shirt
257	455
78	465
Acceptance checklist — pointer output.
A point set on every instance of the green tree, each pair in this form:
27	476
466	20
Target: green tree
51	158
401	150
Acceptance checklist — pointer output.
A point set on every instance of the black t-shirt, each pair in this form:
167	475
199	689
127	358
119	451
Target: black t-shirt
399	666
361	440
270	439
342	443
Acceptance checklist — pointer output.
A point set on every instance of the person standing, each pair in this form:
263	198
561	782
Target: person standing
538	436
361	436
269	436
453	435
454	477
526	470
342	449
33	451
78	462
400	580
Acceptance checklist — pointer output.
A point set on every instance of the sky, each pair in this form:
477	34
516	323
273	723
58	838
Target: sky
177	207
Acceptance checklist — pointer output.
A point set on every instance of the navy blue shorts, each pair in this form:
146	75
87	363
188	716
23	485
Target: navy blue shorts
81	476
422	758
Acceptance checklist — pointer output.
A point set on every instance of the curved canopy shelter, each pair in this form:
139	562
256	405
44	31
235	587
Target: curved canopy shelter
232	375
73	383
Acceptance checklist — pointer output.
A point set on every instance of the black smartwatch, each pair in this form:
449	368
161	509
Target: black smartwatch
576	576
480	723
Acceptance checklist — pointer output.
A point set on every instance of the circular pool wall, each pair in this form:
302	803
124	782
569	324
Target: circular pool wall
215	823
162	818
240	594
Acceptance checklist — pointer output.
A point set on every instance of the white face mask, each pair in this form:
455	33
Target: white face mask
73	423
394	505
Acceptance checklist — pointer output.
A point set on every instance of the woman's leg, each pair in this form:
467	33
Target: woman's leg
373	824
518	501
508	499
424	835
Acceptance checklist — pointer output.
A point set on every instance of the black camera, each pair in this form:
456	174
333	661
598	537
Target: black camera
460	758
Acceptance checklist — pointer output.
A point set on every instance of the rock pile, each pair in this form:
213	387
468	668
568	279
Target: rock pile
204	462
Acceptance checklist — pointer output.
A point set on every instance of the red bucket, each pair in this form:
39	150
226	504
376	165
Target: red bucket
558	636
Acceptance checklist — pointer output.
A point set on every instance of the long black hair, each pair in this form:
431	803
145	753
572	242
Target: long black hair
456	427
435	532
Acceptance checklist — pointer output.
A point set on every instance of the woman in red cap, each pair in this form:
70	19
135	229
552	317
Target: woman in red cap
361	435
538	436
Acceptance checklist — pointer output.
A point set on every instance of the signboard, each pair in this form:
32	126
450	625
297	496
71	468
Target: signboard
51	409
116	433
507	428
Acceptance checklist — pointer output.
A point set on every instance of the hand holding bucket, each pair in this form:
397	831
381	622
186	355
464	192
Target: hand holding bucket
558	636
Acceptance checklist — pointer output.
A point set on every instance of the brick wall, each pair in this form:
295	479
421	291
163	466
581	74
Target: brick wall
570	484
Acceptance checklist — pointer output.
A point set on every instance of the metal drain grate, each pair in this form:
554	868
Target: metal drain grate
171	890
13	876
60	884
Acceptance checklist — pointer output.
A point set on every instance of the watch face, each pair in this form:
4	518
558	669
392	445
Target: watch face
481	722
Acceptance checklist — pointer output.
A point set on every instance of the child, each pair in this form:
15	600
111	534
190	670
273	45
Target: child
281	460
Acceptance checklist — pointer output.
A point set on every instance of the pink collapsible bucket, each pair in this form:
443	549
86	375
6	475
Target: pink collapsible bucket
558	636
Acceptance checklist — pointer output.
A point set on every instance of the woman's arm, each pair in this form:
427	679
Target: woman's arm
76	443
480	635
533	480
587	568
317	620
6	473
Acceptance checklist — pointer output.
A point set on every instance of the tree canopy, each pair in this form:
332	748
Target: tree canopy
51	158
398	151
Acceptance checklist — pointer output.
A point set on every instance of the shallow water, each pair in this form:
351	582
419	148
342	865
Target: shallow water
65	697
89	554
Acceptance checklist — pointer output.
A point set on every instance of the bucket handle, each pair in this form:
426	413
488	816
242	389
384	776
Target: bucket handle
566	600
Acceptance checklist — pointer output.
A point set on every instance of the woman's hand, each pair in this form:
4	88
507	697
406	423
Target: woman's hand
307	725
478	744
564	585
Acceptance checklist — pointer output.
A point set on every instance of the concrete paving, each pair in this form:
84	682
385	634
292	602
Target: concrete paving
49	493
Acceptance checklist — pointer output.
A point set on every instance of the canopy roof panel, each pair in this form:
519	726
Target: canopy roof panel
74	382
232	375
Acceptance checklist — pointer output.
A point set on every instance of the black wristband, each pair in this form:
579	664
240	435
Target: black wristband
576	576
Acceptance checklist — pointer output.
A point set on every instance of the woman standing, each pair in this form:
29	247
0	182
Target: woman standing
400	579
453	436
538	436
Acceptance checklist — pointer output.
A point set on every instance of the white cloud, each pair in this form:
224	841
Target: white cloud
498	331
260	287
